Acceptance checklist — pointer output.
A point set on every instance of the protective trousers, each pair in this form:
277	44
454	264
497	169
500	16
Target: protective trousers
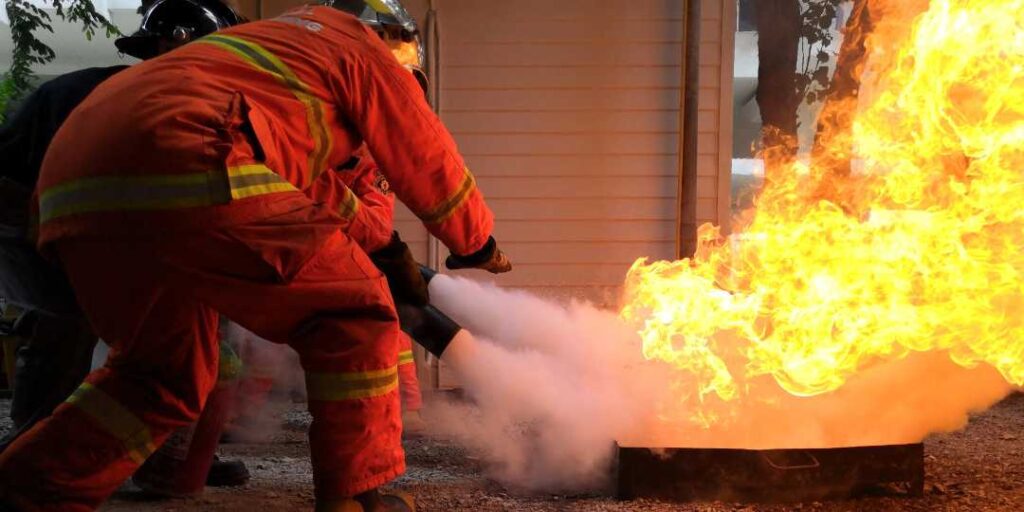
52	339
291	278
409	382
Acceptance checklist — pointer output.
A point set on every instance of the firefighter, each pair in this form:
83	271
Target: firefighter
361	197
39	305
177	191
366	206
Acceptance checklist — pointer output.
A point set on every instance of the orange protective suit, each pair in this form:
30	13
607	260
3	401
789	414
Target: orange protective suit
363	199
361	196
180	189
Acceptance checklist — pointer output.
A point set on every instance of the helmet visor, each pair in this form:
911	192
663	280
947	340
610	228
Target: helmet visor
141	44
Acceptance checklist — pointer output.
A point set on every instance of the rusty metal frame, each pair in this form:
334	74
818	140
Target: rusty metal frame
769	476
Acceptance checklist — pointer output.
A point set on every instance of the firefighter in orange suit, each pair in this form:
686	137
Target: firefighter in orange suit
176	191
363	199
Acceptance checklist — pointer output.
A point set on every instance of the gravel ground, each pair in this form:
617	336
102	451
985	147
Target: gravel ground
980	468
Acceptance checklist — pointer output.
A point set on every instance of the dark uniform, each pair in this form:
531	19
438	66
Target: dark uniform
38	304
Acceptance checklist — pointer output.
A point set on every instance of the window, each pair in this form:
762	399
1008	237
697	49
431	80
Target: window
745	10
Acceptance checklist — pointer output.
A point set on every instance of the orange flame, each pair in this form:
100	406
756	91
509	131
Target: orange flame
921	248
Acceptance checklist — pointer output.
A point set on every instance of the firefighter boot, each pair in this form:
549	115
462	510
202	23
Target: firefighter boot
372	501
387	501
227	473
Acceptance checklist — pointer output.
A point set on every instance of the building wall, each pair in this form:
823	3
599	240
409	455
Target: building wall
569	117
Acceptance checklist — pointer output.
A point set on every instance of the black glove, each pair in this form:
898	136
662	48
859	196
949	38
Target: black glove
489	258
403	272
428	327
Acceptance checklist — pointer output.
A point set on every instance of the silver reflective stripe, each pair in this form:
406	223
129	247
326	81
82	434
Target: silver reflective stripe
133	193
159	192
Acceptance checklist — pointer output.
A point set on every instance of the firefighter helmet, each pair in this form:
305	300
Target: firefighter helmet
395	26
379	14
172	23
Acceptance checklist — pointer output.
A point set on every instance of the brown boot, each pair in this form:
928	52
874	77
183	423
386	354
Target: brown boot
386	501
346	505
372	501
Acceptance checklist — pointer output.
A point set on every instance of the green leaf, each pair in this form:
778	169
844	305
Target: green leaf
25	21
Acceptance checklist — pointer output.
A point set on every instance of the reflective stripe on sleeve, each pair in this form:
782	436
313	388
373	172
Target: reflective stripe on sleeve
405	357
349	205
333	387
446	208
115	419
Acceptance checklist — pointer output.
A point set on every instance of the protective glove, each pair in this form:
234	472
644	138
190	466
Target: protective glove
403	272
489	258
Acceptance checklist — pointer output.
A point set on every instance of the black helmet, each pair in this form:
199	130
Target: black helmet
177	22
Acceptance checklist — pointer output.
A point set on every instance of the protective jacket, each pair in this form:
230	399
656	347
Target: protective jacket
262	109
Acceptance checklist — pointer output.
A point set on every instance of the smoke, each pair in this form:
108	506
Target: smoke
547	382
554	387
271	375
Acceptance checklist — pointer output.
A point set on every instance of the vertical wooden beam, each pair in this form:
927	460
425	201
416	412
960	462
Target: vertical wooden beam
249	8
686	236
725	116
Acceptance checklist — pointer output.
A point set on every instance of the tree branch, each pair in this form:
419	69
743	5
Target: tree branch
28	51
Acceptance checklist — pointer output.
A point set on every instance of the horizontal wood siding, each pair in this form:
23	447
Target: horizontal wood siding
568	114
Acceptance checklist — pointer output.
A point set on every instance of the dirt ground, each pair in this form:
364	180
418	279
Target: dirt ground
980	468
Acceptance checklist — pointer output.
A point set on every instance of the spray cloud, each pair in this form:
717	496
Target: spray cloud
554	387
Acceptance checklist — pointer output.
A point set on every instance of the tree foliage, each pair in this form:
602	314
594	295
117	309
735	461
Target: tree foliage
26	21
817	18
795	62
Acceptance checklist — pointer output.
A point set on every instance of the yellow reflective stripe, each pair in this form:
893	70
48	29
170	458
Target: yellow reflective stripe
447	207
115	419
250	170
405	357
264	60
159	191
332	387
349	206
229	367
256	179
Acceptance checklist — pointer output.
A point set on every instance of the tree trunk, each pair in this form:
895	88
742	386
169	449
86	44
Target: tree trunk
833	146
778	28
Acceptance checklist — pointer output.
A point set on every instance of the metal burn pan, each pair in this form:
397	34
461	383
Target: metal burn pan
769	476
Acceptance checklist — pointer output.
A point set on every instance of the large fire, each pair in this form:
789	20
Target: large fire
920	249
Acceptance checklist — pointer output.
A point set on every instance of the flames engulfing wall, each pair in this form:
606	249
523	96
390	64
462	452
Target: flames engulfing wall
917	251
863	308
